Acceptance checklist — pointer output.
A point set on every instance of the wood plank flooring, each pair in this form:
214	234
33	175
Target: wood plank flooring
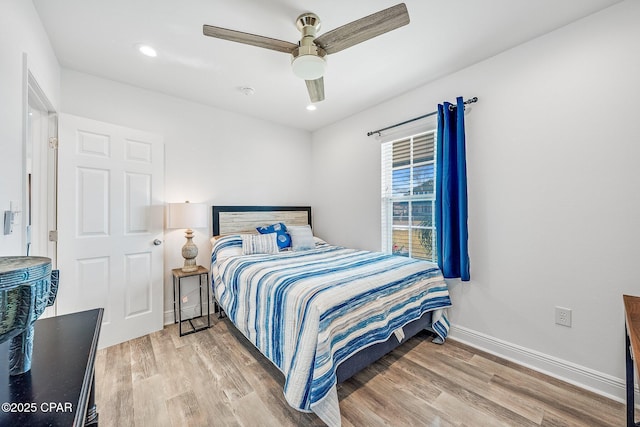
216	378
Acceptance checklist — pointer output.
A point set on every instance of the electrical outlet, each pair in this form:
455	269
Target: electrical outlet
563	316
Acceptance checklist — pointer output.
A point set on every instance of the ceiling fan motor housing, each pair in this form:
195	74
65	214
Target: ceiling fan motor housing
308	60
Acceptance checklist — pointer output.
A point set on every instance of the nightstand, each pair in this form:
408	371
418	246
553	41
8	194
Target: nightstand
178	275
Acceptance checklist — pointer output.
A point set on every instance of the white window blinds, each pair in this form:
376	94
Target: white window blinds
408	184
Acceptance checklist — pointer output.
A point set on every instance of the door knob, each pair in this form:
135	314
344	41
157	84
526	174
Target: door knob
157	242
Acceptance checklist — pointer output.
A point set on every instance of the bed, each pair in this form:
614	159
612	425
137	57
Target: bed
322	313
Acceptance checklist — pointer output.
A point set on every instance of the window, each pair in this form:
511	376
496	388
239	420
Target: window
408	196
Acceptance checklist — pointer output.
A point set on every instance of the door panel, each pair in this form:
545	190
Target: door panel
137	199
92	202
139	287
110	212
90	285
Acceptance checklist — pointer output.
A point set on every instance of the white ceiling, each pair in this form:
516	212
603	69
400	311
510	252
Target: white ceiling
99	37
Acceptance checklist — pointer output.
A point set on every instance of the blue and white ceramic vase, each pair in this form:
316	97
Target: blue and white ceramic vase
27	287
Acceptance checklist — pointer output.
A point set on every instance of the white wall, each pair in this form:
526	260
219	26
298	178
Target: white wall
553	181
553	174
20	33
211	156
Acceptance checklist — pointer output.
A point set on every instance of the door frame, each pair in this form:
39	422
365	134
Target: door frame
44	149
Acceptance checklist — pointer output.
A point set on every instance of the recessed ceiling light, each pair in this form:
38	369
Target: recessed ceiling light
147	50
311	107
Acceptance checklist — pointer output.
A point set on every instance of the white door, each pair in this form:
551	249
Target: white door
110	225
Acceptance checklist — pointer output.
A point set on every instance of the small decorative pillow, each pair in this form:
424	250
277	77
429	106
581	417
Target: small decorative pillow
283	238
259	244
301	237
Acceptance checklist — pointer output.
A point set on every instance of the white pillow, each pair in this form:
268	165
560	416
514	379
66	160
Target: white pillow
301	237
259	244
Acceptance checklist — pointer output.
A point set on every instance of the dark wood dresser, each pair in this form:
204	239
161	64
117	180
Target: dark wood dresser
632	349
59	388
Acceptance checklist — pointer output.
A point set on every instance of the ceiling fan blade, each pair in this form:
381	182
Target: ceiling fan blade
315	89
364	29
246	38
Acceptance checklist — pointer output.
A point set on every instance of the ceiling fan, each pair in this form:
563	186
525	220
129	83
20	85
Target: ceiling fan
308	57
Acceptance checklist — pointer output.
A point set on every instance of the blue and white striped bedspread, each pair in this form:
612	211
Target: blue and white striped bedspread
307	311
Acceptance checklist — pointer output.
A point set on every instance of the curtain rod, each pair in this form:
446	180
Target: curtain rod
451	107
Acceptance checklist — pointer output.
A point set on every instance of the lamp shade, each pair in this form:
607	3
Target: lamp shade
187	215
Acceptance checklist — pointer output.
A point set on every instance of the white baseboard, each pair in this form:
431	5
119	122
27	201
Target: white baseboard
168	317
168	314
589	379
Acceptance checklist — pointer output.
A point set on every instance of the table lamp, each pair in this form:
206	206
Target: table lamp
188	215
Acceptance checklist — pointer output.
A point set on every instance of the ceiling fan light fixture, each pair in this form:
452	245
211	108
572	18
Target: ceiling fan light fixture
308	62
309	67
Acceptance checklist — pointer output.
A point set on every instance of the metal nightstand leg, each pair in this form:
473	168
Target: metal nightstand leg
180	307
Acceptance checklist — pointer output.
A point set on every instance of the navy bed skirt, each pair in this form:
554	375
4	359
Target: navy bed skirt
367	356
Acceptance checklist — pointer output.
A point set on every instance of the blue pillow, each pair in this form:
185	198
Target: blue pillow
282	237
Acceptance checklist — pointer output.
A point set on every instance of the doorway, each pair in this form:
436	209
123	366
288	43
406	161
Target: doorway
39	213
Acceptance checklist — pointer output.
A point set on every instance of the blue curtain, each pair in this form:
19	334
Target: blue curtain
451	192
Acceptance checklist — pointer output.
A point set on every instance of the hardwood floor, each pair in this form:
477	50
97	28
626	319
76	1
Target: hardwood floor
216	378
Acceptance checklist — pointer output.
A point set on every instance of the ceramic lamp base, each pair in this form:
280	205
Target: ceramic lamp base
188	268
189	253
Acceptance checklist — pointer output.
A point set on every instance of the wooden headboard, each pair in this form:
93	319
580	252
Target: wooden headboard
238	219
